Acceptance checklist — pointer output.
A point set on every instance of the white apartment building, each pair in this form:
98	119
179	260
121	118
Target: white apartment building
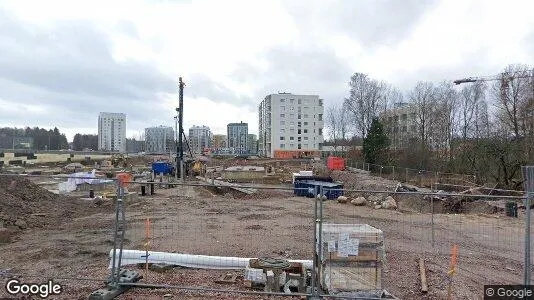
290	122
112	131
200	138
159	139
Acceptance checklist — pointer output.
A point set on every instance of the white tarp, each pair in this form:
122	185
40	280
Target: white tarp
80	178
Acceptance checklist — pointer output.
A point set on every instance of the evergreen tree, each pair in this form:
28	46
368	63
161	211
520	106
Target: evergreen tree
375	143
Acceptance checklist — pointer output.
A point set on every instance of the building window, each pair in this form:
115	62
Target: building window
299	117
305	130
299	101
320	131
282	115
320	102
299	132
305	138
291	101
305	146
282	100
282	130
305	123
299	139
282	108
320	117
292	123
291	145
282	138
282	122
299	123
291	130
282	146
305	116
291	138
292	116
299	146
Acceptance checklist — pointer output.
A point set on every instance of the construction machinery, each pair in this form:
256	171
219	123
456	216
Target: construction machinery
119	159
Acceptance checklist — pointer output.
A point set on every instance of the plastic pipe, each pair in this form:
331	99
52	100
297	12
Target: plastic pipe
132	257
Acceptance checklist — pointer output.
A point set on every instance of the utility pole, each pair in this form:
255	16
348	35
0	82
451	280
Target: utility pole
180	152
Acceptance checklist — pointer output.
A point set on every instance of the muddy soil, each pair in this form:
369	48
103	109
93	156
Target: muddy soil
199	221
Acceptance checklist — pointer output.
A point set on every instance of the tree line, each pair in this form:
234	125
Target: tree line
39	138
482	127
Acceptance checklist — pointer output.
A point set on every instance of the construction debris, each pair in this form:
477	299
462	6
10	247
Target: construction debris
220	183
422	271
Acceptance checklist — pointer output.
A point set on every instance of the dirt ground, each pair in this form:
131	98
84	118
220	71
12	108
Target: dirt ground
198	220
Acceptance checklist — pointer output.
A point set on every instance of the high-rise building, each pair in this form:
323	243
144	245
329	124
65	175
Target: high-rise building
159	139
290	123
219	141
252	143
199	138
112	131
237	134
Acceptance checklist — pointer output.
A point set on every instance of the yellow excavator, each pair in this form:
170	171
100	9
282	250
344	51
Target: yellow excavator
198	168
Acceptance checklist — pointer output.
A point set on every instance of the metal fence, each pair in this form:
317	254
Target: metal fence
209	233
414	176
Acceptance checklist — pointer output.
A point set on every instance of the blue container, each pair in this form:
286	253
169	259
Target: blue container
306	188
160	167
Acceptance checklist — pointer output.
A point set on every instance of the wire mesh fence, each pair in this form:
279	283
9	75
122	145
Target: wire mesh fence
49	234
205	239
414	176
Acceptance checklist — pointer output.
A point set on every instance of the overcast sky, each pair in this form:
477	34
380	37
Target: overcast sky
63	62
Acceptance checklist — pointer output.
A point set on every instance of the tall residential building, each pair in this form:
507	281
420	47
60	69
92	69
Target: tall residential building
159	139
199	138
400	124
219	141
289	122
112	132
237	134
252	143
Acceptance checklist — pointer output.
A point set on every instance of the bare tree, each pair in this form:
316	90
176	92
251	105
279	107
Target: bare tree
444	119
512	97
332	122
365	101
423	97
472	105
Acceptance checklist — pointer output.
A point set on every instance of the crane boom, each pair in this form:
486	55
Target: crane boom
505	77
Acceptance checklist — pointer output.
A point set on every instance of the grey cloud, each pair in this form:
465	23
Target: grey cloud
372	22
71	70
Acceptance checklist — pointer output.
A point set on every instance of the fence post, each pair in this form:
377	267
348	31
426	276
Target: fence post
315	268
393	173
432	213
528	176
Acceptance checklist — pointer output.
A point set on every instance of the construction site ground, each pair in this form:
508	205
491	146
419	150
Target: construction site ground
74	242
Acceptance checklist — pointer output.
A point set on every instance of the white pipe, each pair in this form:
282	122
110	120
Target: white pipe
132	257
